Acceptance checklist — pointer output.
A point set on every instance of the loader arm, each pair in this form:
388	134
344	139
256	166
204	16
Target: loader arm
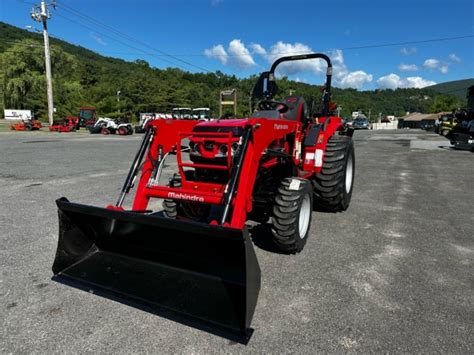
236	202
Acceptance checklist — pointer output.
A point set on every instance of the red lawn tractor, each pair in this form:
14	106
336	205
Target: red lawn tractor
194	261
69	124
86	118
26	125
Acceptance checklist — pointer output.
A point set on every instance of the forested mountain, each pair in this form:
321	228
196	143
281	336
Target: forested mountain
457	88
82	77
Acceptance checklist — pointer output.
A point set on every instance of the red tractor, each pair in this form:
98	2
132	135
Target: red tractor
26	125
194	261
69	124
86	118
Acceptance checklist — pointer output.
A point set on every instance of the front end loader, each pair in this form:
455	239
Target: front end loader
194	261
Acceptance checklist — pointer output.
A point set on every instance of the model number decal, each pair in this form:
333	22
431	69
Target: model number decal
280	126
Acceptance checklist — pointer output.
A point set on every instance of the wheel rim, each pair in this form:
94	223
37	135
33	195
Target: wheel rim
305	214
349	173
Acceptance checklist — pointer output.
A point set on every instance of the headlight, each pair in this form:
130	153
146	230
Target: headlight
234	147
223	149
194	148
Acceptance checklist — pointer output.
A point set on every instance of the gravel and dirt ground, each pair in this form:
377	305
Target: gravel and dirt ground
394	273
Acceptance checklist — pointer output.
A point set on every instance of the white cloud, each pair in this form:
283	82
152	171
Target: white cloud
393	81
408	51
281	49
258	49
407	67
237	55
216	2
431	63
435	64
342	76
98	39
299	80
241	56
444	69
218	52
454	58
355	79
345	78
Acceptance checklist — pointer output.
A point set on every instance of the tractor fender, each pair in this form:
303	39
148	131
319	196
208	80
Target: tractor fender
315	147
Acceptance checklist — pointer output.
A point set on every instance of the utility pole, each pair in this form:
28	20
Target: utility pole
118	100
40	13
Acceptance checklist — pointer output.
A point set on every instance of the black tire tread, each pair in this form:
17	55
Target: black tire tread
329	184
285	216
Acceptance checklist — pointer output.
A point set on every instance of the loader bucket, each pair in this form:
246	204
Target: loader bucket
201	275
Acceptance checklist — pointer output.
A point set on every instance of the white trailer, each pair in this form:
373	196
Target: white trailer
22	115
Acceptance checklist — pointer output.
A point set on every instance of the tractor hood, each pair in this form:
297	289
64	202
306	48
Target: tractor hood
222	126
225	123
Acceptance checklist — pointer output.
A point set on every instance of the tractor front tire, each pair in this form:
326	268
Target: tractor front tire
291	214
191	210
333	185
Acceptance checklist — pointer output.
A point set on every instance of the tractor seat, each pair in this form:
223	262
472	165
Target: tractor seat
297	108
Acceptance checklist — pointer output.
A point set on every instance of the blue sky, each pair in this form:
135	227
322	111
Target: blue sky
244	37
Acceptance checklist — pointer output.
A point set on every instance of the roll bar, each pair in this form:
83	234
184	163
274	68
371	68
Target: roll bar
266	86
307	56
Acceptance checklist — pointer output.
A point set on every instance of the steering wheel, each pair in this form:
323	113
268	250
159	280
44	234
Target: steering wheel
273	105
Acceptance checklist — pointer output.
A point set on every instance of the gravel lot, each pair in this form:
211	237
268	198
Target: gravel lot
392	274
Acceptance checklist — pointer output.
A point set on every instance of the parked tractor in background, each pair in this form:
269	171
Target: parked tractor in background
462	135
87	117
194	261
108	126
69	124
202	113
26	125
182	113
144	119
445	124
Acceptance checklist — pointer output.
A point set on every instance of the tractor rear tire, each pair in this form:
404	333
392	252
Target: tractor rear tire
291	215
122	131
333	185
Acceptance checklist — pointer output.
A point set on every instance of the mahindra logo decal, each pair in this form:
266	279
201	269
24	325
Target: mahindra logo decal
280	126
181	196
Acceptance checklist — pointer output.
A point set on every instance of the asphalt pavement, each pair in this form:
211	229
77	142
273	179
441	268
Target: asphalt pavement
394	273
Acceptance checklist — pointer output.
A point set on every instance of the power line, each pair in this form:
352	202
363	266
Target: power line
396	44
303	52
119	41
124	35
276	53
